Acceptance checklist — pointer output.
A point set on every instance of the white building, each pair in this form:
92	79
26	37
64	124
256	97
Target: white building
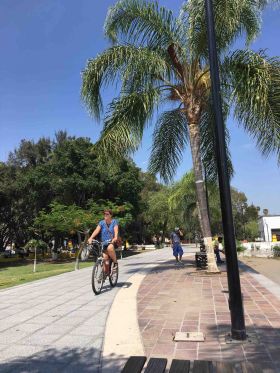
269	228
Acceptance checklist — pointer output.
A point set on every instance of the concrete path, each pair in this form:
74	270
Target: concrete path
58	324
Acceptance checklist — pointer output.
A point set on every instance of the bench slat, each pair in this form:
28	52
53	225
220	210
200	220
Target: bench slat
156	365
180	366
134	364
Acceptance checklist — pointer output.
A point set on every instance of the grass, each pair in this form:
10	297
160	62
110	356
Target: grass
21	272
15	271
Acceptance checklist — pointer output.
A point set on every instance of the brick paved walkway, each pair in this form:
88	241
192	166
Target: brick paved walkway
173	299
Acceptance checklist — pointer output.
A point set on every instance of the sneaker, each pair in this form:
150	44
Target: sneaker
180	261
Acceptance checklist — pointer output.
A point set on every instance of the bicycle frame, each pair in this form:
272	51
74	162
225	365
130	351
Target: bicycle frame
97	282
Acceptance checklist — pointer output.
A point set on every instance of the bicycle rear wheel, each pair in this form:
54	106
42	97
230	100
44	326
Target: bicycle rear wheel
97	277
114	274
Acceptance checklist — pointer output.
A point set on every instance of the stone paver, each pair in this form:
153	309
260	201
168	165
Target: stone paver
172	299
58	324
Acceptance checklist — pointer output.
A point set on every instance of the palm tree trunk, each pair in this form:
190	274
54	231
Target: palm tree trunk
201	195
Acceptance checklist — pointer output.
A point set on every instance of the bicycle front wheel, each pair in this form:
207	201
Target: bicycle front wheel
114	274
85	253
97	277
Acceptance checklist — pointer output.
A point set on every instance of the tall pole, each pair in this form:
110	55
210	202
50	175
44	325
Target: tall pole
238	330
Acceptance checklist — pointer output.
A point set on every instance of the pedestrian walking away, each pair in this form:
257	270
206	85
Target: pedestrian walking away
218	248
175	238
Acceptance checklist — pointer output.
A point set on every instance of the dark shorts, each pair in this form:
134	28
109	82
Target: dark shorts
177	249
106	246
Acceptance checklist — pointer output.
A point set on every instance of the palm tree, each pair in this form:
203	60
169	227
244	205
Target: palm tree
159	60
183	199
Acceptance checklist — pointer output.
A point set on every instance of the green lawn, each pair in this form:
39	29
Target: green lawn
20	272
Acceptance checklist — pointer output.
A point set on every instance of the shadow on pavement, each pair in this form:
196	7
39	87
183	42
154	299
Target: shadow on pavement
246	268
108	287
261	346
55	360
64	361
160	267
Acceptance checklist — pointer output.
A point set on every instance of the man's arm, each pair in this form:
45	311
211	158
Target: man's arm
94	234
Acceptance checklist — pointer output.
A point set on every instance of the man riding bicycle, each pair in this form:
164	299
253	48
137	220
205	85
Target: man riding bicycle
109	230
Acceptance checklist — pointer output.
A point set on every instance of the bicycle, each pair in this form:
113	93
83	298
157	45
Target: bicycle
98	273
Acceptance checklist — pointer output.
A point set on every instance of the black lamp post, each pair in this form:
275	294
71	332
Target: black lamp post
238	330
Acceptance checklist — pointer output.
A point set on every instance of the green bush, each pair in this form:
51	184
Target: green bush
276	251
239	247
39	244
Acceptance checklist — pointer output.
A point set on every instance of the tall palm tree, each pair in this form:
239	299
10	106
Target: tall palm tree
159	60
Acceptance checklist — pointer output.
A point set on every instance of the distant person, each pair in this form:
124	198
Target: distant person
218	248
166	241
156	241
175	239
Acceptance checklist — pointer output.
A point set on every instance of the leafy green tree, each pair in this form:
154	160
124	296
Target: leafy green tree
31	154
251	230
162	59
63	220
65	171
183	206
157	215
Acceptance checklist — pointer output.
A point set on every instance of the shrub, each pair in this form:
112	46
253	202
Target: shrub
276	251
239	247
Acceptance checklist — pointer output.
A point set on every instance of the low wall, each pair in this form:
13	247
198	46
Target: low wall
260	249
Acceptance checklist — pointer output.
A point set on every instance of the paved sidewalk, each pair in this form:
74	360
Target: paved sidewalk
57	324
172	299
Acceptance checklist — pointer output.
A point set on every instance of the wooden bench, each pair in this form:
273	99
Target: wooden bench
201	259
135	364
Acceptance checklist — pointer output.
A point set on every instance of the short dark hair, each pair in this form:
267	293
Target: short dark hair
109	211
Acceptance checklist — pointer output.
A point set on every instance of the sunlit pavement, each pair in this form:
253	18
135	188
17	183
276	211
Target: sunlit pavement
58	324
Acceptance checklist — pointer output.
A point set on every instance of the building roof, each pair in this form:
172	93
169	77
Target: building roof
269	216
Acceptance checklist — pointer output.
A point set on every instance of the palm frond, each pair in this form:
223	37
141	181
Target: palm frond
144	22
255	79
147	67
126	62
232	19
183	192
207	147
125	122
169	141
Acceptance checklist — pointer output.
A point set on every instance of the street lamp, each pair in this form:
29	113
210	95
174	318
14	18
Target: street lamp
238	330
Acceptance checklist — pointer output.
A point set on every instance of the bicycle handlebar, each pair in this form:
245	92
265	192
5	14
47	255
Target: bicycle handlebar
100	242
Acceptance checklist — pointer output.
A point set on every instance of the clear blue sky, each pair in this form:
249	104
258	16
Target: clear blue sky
44	47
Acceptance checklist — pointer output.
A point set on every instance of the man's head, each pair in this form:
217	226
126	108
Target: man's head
177	229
